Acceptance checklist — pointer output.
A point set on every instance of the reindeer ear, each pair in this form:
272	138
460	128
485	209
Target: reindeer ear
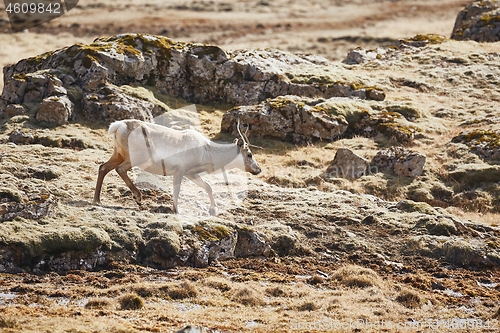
239	142
236	140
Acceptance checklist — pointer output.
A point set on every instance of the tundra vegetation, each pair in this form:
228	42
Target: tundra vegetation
304	246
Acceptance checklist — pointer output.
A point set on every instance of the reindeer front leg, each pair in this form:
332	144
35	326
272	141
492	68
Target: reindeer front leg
195	178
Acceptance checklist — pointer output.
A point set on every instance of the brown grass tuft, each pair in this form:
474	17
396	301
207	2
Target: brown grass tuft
7	323
316	279
97	303
217	283
357	277
247	296
185	289
131	302
275	292
308	306
409	299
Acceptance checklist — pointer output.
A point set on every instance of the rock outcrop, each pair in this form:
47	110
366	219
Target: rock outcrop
286	118
401	161
479	21
92	76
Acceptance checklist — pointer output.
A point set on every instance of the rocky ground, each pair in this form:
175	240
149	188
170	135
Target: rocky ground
406	239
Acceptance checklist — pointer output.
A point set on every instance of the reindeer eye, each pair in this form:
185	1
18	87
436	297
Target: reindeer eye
249	155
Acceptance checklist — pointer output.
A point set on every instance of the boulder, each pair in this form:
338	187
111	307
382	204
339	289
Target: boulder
479	21
56	110
286	118
195	72
347	164
401	161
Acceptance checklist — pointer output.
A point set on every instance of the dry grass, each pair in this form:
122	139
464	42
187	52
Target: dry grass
131	302
98	303
357	277
409	299
247	296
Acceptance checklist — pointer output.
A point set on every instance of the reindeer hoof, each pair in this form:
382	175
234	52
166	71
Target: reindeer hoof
213	211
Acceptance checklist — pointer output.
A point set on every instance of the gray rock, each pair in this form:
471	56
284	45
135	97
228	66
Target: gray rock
251	244
35	209
479	21
12	110
198	73
347	164
401	161
191	329
55	110
113	103
287	118
21	138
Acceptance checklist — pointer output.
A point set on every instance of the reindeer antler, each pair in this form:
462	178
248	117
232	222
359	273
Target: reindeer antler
244	135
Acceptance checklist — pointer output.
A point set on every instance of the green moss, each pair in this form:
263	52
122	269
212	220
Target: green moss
410	206
488	19
431	38
211	232
488	138
73	239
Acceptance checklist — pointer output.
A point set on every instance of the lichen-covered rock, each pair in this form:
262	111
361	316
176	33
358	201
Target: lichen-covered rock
346	164
21	138
401	161
479	21
287	118
195	72
484	143
405	46
34	209
56	110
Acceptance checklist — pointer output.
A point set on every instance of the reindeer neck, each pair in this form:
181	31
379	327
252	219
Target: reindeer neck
223	154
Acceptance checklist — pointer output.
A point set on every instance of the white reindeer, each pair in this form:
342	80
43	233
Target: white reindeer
166	151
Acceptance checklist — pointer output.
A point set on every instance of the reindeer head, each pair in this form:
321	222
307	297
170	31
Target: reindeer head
244	145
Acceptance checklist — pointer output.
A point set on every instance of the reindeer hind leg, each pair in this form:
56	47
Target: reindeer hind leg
115	160
122	171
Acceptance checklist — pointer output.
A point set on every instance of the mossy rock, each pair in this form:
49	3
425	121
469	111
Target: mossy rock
409	110
474	174
459	252
72	239
439	226
410	206
211	231
350	109
166	244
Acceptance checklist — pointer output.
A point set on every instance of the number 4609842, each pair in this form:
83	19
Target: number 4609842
33	7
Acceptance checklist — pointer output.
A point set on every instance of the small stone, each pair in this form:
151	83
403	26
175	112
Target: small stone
21	138
55	110
12	110
347	164
402	161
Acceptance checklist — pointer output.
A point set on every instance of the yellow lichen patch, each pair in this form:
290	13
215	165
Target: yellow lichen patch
208	232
